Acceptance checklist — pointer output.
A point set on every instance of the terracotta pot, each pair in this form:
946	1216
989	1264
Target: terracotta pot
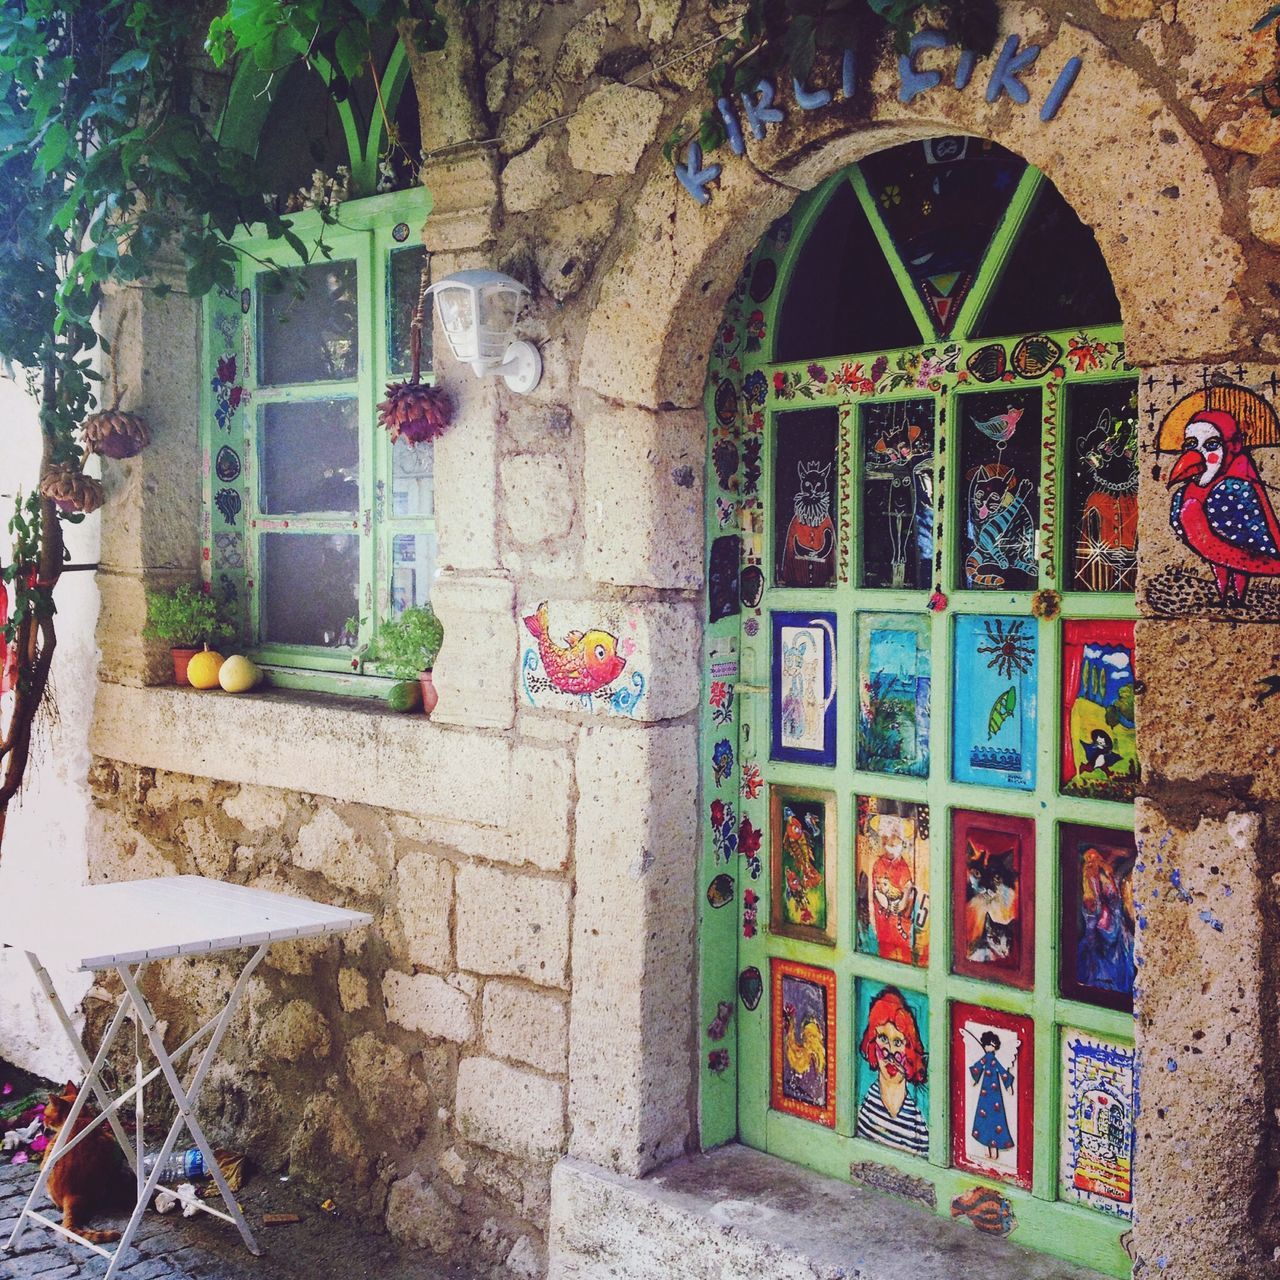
180	659
429	695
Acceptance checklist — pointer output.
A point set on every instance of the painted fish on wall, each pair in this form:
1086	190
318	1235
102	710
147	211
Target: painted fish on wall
585	663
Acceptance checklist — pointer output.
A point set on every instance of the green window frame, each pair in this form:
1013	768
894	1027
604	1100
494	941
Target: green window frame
391	515
748	395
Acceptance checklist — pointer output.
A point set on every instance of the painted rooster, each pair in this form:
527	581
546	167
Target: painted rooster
808	1053
1222	511
585	663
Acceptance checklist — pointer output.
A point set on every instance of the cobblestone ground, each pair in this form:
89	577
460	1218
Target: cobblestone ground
169	1247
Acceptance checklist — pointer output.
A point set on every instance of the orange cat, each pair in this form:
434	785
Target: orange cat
87	1180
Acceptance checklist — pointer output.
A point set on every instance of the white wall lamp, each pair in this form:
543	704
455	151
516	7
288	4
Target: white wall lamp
478	310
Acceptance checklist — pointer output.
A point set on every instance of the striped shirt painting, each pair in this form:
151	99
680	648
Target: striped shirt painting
908	1130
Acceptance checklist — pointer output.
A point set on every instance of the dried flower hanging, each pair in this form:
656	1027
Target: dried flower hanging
115	433
418	413
71	490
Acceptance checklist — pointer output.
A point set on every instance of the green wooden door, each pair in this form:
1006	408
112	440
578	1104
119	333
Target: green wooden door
918	731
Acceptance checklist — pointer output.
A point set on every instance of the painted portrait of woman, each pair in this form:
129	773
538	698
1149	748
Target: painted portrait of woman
891	1046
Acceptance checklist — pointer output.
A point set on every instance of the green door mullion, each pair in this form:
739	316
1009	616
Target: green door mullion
998	252
910	294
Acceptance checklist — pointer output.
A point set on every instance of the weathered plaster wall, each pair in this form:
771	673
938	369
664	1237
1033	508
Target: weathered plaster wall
526	990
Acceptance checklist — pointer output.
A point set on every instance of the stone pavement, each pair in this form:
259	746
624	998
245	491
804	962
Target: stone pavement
170	1247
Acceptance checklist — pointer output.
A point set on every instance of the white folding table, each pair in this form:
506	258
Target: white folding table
124	927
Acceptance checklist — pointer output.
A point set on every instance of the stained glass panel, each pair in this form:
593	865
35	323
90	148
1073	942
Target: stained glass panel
942	200
892	857
404	288
897	493
1000	478
894	685
1102	486
804	486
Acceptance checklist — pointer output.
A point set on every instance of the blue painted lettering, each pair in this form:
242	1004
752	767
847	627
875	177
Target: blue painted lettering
1004	79
809	99
762	111
731	127
1061	87
914	82
964	68
848	74
693	177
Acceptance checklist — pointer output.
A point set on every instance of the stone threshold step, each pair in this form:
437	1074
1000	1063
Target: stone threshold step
738	1214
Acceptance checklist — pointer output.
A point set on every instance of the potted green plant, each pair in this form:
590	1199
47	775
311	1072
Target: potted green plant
189	620
407	646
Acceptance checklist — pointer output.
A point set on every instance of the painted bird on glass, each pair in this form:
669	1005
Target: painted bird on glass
1002	426
1222	511
585	663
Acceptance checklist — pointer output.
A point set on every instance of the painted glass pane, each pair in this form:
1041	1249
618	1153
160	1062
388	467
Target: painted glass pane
842	297
991	1079
803	1010
892	857
1099	742
310	457
309	589
1000	488
1056	277
404	287
993	897
894	682
942	200
892	1069
802	855
897	493
993	740
1096	961
804	486
1102	486
1099	1108
307	328
803	701
413	569
413	469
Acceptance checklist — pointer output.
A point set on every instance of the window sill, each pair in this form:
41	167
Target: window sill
348	748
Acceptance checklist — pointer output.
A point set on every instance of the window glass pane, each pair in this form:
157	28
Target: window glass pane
1102	486
303	133
309	333
413	569
897	494
842	297
1056	277
310	588
404	284
892	855
894	682
891	1029
1099	1115
942	200
412	478
804	484
1096	959
1000	474
1100	747
993	875
310	457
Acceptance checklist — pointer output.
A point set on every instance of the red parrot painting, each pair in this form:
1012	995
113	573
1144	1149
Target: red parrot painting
1222	511
584	664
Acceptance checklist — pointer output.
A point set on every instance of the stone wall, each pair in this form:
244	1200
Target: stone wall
527	988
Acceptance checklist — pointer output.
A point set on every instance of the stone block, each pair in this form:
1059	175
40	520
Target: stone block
1264	213
509	1109
633	952
520	126
331	847
475	672
423	1002
1202	1019
569	244
657	642
658	19
292	1032
257	808
424	899
418	1214
353	990
611	129
527	1026
642	500
385	1088
533	940
538	503
464	191
528	180
466	467
582	47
